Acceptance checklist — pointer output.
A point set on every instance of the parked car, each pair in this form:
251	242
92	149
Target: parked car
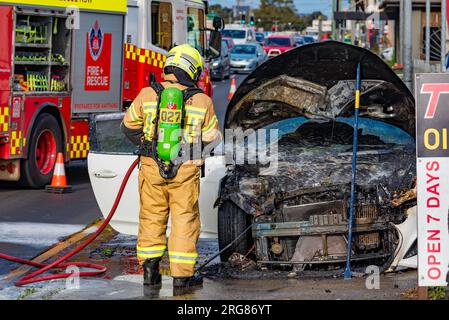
220	68
246	57
297	204
276	44
260	38
229	42
299	40
308	39
240	35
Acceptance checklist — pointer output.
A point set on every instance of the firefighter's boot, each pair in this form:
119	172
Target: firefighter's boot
187	282
151	275
185	285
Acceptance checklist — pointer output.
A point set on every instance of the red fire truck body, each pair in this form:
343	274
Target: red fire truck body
53	76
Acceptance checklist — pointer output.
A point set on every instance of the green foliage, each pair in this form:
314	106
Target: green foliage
284	14
224	12
317	15
436	293
27	292
107	251
281	12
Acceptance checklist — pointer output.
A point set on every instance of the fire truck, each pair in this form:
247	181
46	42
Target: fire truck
64	60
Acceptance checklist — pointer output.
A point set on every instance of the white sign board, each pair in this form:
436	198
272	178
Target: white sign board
432	127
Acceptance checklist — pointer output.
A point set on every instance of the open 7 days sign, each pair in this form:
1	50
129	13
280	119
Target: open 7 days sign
432	135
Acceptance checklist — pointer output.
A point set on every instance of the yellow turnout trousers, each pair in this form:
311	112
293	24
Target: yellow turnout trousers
158	196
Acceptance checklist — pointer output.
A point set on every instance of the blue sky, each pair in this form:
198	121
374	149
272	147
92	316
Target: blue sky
303	6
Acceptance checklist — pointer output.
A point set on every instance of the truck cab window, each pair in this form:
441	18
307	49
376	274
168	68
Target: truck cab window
195	26
161	25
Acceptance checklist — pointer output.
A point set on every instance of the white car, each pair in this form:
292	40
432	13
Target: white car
240	35
306	199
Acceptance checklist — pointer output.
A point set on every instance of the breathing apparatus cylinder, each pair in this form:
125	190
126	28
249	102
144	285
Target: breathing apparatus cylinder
170	119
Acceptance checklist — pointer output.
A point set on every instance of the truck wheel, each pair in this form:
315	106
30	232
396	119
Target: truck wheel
232	221
46	142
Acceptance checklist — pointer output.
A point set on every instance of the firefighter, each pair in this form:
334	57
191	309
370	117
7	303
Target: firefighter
174	189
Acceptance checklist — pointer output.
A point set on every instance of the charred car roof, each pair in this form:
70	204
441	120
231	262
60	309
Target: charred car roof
318	81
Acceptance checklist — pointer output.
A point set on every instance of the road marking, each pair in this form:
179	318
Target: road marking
54	250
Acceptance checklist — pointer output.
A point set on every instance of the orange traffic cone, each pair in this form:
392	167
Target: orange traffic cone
232	89
59	181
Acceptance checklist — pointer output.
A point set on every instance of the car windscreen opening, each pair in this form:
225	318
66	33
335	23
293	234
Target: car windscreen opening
106	136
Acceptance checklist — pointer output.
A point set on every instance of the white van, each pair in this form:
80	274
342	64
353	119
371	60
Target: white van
239	34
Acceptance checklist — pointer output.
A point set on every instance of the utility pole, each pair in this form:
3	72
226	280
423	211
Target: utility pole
400	55
352	4
443	34
408	59
427	32
334	22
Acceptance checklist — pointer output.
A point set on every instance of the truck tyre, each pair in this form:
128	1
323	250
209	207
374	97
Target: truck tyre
232	221
45	143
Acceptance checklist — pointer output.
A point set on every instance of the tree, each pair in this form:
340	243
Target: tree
280	12
317	14
224	12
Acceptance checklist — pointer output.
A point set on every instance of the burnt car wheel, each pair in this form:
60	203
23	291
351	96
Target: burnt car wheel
232	221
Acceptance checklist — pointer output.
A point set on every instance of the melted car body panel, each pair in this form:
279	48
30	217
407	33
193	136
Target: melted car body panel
327	70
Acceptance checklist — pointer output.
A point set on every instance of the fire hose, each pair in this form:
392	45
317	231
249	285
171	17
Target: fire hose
59	263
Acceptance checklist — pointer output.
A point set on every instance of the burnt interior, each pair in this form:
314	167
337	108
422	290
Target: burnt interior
312	185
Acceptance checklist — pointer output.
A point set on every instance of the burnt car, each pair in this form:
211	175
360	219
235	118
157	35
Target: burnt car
297	213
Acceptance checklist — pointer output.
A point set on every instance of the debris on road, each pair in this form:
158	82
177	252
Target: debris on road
237	260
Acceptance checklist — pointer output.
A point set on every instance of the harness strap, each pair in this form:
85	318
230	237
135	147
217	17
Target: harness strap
187	94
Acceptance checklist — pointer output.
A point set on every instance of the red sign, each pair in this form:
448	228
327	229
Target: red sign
432	101
98	60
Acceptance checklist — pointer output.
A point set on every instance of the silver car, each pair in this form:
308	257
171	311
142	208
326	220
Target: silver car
247	57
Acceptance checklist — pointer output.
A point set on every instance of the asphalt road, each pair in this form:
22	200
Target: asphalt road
33	220
221	91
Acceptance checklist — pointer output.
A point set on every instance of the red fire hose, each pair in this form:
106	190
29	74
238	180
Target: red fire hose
57	264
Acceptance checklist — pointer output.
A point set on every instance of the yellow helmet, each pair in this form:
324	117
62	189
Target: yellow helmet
186	58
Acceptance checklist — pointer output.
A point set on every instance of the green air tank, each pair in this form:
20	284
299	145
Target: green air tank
170	114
